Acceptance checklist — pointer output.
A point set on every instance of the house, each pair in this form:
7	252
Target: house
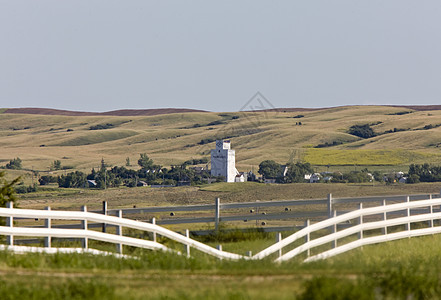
327	178
142	183
92	183
402	180
316	177
239	178
198	170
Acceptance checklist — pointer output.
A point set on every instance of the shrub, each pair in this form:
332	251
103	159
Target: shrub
364	131
14	164
25	189
101	126
46	179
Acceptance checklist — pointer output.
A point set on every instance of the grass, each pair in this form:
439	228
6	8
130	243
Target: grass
243	192
367	157
173	139
400	269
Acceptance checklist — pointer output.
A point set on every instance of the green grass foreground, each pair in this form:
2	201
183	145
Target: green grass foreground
405	269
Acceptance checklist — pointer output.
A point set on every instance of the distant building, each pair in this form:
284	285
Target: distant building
198	170
239	178
92	183
402	180
223	161
142	183
314	178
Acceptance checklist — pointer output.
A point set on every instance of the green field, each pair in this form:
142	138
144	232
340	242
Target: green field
395	270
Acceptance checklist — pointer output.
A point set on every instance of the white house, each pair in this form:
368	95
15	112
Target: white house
239	178
223	161
315	178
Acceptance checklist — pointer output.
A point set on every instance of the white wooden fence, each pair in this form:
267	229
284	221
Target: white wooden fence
420	218
425	213
10	231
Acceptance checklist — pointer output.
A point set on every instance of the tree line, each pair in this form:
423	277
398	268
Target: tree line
149	172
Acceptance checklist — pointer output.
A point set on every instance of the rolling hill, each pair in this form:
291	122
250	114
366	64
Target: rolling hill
170	136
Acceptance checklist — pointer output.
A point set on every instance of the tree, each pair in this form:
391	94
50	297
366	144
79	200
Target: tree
56	165
103	165
413	179
145	162
14	164
128	162
75	179
7	191
363	131
296	172
270	169
46	179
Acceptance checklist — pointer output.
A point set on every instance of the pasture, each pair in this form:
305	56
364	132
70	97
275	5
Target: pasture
80	142
400	269
391	270
394	270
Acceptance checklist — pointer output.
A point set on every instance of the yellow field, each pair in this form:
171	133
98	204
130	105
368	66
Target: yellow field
367	157
173	138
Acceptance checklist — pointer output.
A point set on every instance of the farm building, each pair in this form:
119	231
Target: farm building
223	161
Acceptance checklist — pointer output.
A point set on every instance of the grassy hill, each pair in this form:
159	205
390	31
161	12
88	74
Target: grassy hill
173	138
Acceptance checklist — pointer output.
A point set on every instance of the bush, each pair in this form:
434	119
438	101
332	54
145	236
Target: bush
101	126
413	179
362	131
270	169
44	180
72	180
14	164
335	288
21	189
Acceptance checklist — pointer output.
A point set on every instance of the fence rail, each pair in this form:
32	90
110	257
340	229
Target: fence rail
359	229
419	211
221	212
85	234
408	210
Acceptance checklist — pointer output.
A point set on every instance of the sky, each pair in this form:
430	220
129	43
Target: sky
102	55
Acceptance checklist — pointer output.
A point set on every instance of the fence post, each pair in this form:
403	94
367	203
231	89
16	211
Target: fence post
154	233
384	218
334	230
48	224
216	214
278	239
104	213
85	241
330	206
10	223
408	214
187	234
360	221
119	247
431	213
307	237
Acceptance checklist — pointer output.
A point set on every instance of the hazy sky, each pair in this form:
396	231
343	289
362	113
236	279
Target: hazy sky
101	55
